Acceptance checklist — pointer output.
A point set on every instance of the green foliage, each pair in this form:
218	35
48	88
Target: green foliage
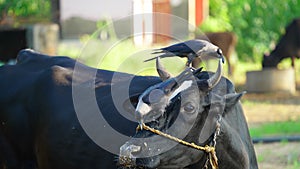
258	23
213	24
29	9
219	19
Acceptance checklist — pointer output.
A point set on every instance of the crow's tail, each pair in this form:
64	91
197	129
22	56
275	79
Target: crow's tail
156	51
163	55
151	59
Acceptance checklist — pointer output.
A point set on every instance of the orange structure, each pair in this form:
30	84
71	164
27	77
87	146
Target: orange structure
160	22
201	11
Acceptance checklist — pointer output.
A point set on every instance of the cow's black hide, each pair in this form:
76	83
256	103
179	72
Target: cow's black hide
39	127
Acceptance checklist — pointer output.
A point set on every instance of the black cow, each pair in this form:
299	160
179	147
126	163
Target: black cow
287	47
197	107
43	99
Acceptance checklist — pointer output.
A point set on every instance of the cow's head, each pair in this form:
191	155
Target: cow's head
269	61
186	107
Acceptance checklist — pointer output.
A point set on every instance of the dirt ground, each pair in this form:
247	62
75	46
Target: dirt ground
260	108
278	155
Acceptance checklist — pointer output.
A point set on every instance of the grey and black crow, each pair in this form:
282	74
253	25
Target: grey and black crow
190	49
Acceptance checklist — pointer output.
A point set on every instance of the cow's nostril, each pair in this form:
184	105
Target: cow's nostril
134	148
136	151
128	150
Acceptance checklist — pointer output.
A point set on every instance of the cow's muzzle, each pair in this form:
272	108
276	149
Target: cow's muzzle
131	155
128	155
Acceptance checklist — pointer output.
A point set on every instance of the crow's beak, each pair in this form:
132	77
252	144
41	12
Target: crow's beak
223	59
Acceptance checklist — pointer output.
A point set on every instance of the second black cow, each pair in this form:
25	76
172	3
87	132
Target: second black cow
287	47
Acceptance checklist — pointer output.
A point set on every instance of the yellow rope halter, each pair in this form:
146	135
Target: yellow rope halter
208	149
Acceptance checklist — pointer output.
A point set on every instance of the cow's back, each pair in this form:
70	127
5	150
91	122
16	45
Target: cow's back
296	29
291	39
60	138
43	122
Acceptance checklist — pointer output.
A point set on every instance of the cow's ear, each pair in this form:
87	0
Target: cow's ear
130	104
232	98
61	75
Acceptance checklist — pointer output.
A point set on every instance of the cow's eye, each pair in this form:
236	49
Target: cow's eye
189	107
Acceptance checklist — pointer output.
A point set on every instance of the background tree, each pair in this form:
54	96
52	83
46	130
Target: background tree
21	11
258	23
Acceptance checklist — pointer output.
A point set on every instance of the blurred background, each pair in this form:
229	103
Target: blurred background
120	35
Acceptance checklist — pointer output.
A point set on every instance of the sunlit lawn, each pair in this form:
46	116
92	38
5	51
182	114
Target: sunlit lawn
121	56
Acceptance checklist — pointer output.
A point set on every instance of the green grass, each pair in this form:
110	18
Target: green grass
120	56
275	128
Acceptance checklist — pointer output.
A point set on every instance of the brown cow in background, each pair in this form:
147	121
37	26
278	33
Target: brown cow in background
224	40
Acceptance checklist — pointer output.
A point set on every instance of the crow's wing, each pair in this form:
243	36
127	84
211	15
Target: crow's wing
163	55
190	46
180	49
196	44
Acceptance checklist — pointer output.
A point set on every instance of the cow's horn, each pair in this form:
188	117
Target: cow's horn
163	74
213	80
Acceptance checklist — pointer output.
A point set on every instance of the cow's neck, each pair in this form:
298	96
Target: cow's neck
277	55
231	150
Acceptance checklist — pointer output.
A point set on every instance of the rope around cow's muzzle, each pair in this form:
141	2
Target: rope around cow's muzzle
211	150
